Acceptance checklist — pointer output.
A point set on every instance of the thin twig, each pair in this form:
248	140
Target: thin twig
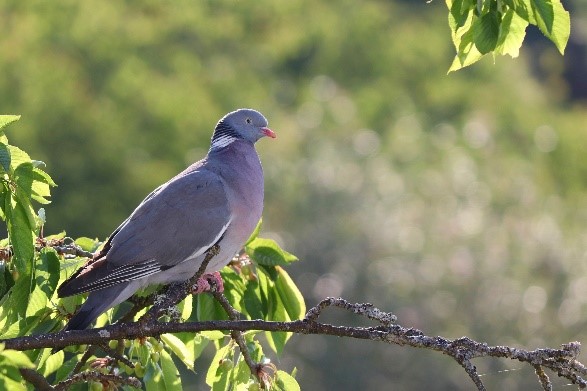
543	378
86	356
115	355
364	309
234	315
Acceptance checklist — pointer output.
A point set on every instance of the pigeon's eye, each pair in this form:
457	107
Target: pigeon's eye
249	120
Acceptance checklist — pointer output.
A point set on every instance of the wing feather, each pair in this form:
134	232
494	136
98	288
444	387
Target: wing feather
179	220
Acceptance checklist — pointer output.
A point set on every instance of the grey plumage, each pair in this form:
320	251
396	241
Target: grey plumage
216	200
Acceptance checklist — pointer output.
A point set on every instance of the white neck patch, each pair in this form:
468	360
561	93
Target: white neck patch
222	142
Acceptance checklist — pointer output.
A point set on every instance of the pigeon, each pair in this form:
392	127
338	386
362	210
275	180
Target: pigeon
215	201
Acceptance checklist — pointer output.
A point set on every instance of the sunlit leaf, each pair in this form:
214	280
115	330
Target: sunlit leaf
561	27
53	363
20	234
286	382
16	358
153	378
215	372
213	335
242	372
87	244
6	120
511	34
186	306
179	349
170	373
268	252
290	295
467	52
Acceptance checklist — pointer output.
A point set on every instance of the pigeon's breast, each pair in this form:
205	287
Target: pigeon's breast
242	176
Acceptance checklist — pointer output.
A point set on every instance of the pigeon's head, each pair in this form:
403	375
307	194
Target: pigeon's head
245	124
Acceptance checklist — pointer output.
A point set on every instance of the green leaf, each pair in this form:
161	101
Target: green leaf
290	295
543	14
208	309
153	378
6	383
6	120
143	352
41	187
216	373
14	308
197	344
234	287
16	358
286	382
37	302
53	363
178	348
275	310
486	32
242	372
459	13
46	275
467	52
561	27
512	32
18	157
66	368
213	335
170	373
551	18
186	307
87	244
268	252
252	300
42	176
47	270
20	234
6	281
5	157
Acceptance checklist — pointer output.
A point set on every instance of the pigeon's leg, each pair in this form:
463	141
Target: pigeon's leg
207	283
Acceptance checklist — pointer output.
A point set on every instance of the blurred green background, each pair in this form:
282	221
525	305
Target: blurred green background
458	202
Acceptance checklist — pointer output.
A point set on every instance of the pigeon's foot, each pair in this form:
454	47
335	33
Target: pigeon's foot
208	282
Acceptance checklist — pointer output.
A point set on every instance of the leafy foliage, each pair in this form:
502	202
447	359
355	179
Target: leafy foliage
499	26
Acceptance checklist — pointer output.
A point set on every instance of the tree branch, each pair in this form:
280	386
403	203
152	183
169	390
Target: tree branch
36	379
561	361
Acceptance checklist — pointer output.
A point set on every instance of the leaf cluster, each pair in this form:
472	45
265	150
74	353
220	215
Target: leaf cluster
480	27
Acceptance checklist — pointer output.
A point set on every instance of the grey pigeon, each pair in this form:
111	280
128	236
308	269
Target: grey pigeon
218	200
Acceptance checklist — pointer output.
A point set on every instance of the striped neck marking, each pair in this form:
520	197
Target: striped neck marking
223	136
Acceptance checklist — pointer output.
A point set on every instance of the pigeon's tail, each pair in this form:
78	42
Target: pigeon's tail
98	302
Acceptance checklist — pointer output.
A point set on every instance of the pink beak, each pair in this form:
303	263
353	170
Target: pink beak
268	132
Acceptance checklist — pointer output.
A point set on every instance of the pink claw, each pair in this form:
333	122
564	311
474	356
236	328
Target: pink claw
208	282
